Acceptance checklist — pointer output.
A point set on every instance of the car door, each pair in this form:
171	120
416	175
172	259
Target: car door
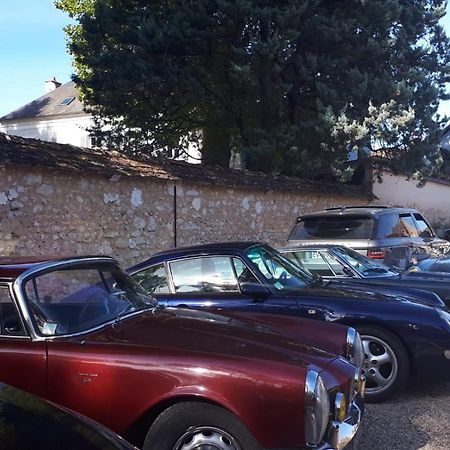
23	360
84	376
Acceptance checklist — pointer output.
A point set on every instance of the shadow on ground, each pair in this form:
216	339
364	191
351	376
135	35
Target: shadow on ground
419	418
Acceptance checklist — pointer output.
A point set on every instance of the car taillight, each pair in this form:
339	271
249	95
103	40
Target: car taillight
376	253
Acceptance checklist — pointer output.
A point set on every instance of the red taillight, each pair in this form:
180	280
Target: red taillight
376	253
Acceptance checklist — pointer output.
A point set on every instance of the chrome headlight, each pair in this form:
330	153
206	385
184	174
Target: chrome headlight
317	408
354	348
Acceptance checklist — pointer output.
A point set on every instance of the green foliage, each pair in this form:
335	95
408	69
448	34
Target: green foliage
292	85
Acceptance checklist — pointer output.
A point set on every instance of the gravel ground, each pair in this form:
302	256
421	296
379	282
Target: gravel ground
419	418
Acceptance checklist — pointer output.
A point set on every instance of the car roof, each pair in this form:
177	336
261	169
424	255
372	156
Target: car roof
365	210
215	246
179	252
13	266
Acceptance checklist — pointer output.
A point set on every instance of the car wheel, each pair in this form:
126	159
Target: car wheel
386	363
192	425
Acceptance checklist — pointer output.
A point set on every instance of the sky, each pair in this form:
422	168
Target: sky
33	50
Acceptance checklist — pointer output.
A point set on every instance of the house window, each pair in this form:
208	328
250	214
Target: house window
95	141
67	101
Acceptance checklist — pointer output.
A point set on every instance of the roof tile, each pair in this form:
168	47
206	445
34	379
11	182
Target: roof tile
20	151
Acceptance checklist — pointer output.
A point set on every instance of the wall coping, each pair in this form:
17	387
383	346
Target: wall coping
18	151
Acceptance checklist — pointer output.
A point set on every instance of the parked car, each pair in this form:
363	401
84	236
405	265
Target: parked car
30	422
434	266
338	262
81	333
402	334
371	230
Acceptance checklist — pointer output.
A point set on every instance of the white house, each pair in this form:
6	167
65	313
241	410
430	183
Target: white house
56	116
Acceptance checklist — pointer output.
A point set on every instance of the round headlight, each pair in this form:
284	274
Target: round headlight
354	348
317	408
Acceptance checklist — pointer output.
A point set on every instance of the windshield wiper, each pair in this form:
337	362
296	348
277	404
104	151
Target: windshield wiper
376	269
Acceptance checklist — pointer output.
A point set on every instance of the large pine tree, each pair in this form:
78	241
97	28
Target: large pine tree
291	85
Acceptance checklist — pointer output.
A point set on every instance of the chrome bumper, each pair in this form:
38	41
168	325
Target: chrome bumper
340	434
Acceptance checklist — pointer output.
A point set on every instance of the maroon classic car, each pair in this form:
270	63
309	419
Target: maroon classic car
81	333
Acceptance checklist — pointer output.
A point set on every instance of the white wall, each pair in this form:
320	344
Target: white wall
67	130
71	130
433	199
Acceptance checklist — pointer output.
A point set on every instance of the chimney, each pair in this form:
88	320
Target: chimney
51	85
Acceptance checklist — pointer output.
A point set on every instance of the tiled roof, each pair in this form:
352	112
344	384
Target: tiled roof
49	104
15	150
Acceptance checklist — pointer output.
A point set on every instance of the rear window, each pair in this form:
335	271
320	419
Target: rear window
333	227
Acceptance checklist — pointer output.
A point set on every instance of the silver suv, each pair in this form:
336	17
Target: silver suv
371	230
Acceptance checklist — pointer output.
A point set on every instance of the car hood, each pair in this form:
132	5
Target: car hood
187	332
365	289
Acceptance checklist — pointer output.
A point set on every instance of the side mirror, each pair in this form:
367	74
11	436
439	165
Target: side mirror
425	234
348	272
256	290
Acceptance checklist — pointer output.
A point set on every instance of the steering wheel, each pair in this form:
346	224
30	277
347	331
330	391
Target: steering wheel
103	301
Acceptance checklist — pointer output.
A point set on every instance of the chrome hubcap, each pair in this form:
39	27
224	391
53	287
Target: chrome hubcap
206	438
380	364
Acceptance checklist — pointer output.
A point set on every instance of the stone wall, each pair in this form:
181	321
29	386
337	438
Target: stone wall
50	212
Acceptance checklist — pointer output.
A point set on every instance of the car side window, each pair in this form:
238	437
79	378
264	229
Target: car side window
408	226
424	229
153	279
335	265
11	323
389	226
204	274
243	273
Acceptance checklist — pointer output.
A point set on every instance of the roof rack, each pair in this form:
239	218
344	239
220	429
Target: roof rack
342	208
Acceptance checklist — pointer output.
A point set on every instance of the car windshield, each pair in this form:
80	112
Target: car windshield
278	271
79	297
363	265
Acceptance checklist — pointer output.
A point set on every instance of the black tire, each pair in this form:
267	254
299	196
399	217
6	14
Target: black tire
190	418
395	371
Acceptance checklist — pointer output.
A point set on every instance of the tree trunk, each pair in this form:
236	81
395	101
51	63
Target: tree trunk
216	149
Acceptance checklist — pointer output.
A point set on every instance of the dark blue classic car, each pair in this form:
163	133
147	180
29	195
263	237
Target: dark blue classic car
338	262
403	333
